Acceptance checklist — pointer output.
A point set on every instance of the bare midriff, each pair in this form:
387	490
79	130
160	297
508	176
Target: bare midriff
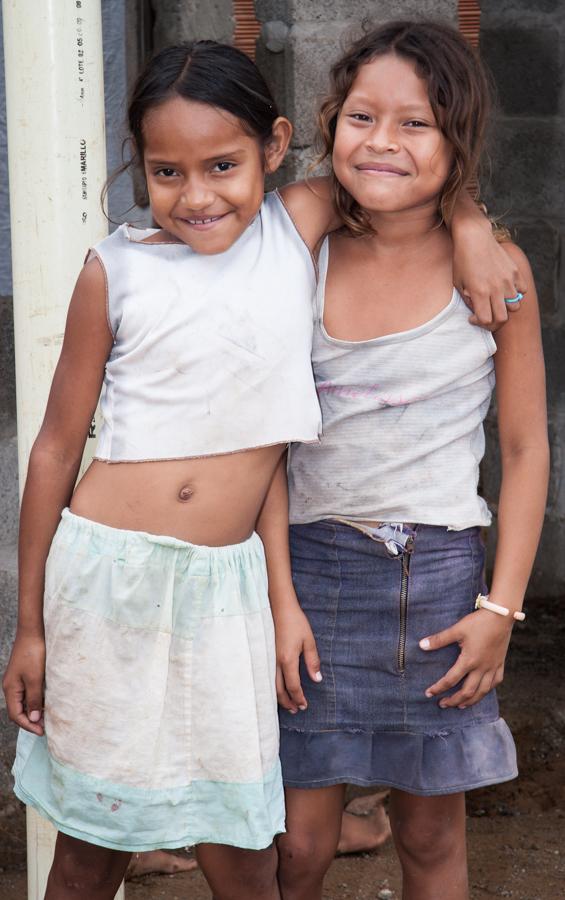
211	500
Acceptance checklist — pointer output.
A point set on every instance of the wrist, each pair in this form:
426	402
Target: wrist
283	602
493	605
30	630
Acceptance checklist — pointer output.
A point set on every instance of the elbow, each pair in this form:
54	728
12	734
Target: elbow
49	453
530	457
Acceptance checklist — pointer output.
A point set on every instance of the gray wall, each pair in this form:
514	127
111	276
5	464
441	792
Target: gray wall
523	42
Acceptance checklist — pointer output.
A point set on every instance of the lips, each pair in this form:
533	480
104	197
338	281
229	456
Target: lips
381	168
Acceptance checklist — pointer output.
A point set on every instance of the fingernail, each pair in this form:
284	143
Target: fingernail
293	712
318	676
34	715
443	704
425	644
429	694
302	708
462	707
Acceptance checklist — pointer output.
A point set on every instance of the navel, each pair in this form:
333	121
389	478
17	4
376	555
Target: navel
185	493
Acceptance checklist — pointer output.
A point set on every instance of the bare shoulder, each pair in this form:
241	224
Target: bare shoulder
87	323
309	204
92	278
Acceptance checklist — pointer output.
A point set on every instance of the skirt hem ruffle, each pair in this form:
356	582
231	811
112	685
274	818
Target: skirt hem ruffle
443	762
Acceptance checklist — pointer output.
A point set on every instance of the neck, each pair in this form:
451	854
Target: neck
407	227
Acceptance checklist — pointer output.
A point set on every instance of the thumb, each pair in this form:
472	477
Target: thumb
34	699
441	639
312	660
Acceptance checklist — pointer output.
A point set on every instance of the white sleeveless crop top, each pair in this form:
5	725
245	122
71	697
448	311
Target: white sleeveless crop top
211	354
402	423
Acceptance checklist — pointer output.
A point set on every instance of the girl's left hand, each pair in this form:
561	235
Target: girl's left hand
294	639
485	285
483	638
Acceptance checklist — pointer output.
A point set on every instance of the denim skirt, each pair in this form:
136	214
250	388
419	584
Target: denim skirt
368	722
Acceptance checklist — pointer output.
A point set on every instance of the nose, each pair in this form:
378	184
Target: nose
383	138
196	194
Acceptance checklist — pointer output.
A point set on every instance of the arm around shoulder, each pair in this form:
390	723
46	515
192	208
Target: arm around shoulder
310	206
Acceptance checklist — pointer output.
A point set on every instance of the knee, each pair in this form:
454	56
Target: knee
259	880
425	843
74	877
304	855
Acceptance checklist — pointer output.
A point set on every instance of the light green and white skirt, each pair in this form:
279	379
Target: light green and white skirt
160	707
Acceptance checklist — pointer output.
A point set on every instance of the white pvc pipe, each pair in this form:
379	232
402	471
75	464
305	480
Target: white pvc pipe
57	166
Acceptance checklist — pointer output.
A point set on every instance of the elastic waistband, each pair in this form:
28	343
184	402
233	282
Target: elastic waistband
119	538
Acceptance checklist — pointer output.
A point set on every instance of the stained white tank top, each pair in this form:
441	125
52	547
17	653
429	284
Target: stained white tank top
402	423
211	354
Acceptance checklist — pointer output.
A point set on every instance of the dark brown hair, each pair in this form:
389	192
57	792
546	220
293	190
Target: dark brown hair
459	91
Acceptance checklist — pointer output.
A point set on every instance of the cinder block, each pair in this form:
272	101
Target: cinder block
12	812
528	168
8	601
525	63
519	10
311	52
354	10
9	497
273	10
548	573
553	344
12	819
541	242
190	20
7	367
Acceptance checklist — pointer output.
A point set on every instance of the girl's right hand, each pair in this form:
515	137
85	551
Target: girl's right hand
293	638
23	683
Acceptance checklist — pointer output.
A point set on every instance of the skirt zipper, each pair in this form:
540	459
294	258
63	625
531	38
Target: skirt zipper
401	658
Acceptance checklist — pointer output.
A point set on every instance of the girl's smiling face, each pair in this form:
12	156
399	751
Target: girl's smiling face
205	174
389	152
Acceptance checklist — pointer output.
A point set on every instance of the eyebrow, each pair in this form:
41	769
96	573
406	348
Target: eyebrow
408	107
155	160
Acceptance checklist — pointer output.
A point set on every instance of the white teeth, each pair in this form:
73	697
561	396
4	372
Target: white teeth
202	221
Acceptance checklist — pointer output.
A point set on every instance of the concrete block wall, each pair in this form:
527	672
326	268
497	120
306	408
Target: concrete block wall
190	20
523	43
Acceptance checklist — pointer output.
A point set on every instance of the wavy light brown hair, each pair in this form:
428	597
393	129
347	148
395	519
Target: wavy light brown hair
459	91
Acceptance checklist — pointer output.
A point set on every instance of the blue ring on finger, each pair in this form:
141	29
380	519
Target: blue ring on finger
515	299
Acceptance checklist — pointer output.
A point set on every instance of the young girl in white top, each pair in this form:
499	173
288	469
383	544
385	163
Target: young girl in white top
387	558
148	596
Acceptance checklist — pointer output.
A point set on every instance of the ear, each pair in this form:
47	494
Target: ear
277	145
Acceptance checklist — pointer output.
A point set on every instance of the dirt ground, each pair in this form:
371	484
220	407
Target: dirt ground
516	831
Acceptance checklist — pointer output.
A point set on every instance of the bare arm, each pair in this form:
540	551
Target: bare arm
483	272
524	448
53	468
484	285
484	636
292	630
311	208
